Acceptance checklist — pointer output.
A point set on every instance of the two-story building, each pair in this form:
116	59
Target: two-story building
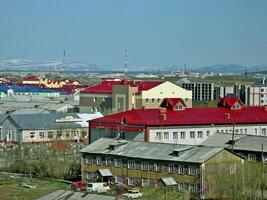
175	123
112	96
134	163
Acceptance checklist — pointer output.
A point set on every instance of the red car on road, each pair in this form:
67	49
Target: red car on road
79	185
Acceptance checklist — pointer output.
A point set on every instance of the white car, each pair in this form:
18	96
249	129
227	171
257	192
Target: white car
98	187
133	194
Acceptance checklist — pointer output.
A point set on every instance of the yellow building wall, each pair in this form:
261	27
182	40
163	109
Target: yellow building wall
168	90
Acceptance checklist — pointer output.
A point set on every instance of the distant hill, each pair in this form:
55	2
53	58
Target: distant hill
29	65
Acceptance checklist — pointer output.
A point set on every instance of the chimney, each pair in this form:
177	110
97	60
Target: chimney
163	114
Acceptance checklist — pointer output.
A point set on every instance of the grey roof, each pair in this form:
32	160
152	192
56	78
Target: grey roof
30	111
242	142
168	181
43	121
105	172
71	195
153	151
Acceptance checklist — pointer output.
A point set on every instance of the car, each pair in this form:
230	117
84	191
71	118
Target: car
79	185
133	194
98	187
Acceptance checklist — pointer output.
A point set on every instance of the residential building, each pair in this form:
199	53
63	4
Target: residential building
112	96
147	164
27	90
31	128
258	95
174	123
200	91
252	148
204	92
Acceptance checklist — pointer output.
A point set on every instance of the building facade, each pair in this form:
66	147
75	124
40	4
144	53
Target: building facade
146	164
112	96
181	125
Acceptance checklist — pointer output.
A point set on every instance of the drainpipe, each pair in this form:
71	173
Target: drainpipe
89	133
146	134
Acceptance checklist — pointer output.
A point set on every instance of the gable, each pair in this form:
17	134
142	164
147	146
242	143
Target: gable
167	90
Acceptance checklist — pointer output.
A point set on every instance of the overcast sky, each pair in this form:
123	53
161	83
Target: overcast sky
156	33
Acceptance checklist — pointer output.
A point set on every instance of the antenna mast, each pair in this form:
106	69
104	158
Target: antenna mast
126	63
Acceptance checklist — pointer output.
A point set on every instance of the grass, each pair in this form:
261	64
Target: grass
10	189
153	193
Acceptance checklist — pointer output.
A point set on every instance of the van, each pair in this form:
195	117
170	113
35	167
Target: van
98	187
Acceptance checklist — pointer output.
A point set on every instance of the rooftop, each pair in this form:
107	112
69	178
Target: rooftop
106	85
152	151
242	142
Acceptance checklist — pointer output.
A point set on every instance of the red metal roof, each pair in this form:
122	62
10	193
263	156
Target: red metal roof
106	86
31	78
229	102
189	116
170	103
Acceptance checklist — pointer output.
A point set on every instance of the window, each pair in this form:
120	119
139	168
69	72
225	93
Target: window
118	179
147	100
182	135
193	188
158	135
158	100
262	101
245	131
208	133
241	131
180	169
263	131
118	163
156	167
90	176
180	186
32	135
89	160
153	100
262	95
131	164
98	160
175	135
256	131
59	133
232	168
131	181
192	170
41	134
252	157
166	135
95	99
50	134
144	166
200	134
171	168
145	182
262	89
192	134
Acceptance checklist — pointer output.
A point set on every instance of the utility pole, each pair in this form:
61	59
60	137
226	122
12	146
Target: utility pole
233	137
262	182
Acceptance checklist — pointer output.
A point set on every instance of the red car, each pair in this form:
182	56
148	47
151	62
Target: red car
79	185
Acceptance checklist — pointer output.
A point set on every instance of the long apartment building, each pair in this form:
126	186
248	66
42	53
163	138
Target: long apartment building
191	168
112	96
175	123
204	92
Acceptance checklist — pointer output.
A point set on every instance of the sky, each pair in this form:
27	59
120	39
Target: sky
155	32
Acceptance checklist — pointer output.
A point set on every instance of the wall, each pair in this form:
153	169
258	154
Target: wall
239	129
97	133
165	90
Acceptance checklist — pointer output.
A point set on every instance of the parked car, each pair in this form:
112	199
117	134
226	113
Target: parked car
98	187
79	185
133	194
